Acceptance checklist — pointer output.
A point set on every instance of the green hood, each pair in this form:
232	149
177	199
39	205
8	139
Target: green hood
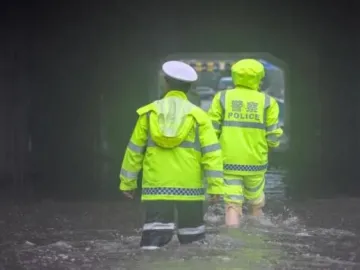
248	73
171	121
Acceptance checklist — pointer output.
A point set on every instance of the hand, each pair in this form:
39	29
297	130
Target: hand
214	198
129	194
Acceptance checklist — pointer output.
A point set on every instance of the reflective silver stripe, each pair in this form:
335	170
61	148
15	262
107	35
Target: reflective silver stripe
158	226
254	189
150	247
243	124
222	104
184	144
222	100
267	101
127	174
234	197
136	148
210	173
216	125
266	106
233	182
272	138
197	138
192	231
258	200
210	148
150	143
272	127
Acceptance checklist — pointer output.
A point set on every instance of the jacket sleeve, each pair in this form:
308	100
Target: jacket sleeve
216	114
273	130
134	155
211	160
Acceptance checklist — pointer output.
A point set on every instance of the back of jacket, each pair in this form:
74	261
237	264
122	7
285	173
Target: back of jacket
246	121
243	132
176	146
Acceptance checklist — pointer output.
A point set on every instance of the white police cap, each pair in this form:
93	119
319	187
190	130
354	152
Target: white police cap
179	71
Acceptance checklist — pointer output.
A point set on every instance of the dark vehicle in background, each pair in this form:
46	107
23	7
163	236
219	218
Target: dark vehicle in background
205	92
206	95
224	83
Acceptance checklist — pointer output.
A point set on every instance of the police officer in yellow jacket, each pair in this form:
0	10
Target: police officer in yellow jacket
176	146
246	122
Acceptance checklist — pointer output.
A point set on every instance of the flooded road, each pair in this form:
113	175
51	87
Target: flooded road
319	234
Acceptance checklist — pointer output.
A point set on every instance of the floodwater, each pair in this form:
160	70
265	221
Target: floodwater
318	234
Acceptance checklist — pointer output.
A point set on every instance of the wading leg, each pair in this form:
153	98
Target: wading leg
257	206
233	214
191	226
254	186
233	186
159	224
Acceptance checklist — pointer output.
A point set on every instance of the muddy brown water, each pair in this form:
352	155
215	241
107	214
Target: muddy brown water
317	234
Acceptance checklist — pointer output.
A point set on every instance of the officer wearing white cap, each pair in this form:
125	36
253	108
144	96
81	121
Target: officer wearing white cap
168	67
180	71
175	145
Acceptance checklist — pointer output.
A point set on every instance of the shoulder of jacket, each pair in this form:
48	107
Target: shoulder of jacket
200	115
145	109
272	100
222	92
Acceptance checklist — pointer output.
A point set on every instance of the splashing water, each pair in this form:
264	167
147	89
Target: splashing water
284	241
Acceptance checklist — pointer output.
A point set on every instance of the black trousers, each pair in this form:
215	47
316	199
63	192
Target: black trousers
159	224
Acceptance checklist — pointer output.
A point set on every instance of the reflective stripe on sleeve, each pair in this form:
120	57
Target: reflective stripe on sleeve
272	127
222	100
266	106
272	138
138	149
127	174
233	182
192	231
158	226
211	173
267	101
216	125
210	148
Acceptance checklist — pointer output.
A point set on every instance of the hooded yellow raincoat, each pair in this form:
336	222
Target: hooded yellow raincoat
175	145
246	122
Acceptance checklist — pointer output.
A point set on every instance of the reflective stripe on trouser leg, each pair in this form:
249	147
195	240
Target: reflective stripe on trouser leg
191	225
233	189
254	186
159	224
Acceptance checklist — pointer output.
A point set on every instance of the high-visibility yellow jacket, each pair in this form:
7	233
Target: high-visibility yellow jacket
246	121
175	145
